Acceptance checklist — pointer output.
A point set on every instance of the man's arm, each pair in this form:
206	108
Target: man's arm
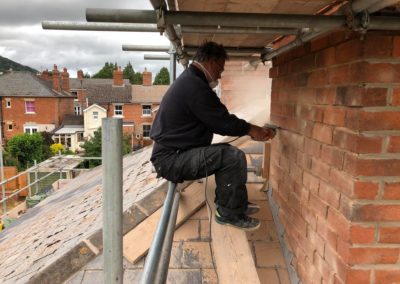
261	133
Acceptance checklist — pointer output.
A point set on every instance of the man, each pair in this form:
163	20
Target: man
189	114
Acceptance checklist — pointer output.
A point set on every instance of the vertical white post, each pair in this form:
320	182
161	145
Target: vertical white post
36	177
111	150
3	188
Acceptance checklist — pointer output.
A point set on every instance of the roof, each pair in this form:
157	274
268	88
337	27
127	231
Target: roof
94	106
71	119
70	129
148	94
76	84
108	94
26	84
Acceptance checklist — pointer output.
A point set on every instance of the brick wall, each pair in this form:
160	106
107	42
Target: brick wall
335	167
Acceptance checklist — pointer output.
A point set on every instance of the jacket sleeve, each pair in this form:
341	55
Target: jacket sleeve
207	107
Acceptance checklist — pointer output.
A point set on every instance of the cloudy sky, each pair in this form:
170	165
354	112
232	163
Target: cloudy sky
23	40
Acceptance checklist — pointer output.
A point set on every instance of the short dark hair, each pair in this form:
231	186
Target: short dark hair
210	50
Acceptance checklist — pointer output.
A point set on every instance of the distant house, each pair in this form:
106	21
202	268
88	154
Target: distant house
146	99
70	134
32	104
92	119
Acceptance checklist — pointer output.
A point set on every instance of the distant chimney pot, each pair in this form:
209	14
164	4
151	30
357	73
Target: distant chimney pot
147	77
56	79
65	80
80	74
118	77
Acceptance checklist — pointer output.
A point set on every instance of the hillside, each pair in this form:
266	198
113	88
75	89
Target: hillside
6	64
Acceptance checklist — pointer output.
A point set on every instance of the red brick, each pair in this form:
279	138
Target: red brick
373	255
328	194
339	224
349	51
323	133
360	234
307	96
387	276
326	96
389	235
361	96
396	97
376	212
363	72
340	268
373	44
385	120
273	72
396	46
357	166
319	43
356	143
342	181
318	206
309	112
346	206
312	147
339	75
358	276
319	168
329	235
365	190
394	144
318	78
303	160
332	156
392	191
300	80
323	267
334	116
325	57
310	217
302	64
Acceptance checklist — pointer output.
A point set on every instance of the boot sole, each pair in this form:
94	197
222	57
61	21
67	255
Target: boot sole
240	228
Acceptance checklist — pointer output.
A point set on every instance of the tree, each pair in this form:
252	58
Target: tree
92	148
86	75
128	72
106	72
25	148
162	77
137	79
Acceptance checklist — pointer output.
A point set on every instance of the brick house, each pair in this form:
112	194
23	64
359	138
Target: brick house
32	104
145	101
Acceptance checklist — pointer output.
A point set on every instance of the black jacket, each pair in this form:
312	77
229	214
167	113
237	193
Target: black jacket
190	113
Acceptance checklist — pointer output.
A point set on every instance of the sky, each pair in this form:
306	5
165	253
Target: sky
23	40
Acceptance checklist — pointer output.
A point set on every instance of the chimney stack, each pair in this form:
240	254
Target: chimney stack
65	80
147	78
118	77
45	75
80	74
56	79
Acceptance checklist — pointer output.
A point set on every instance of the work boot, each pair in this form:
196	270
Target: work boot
241	221
252	208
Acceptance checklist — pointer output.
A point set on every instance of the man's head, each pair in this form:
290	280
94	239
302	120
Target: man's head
212	56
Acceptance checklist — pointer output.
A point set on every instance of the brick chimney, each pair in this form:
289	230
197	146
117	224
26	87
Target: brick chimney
80	74
45	75
56	79
118	77
65	80
147	80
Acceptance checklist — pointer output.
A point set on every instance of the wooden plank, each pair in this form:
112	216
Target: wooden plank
233	259
266	160
136	243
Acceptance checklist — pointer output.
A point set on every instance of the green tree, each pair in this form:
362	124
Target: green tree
137	79
129	72
86	75
25	148
106	72
162	77
92	148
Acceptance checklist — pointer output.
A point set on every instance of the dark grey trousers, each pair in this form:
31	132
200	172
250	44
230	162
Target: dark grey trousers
227	162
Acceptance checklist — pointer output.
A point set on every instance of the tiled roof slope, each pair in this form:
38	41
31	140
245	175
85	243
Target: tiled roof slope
148	94
62	233
76	84
71	119
26	84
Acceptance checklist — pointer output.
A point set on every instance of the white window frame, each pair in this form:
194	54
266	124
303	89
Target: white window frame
8	103
119	112
146	112
95	117
30	128
26	109
146	136
8	127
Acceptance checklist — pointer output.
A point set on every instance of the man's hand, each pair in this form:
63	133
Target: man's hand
261	134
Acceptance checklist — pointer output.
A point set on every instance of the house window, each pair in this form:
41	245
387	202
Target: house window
146	110
9	127
80	136
146	131
74	93
29	107
78	110
30	129
8	103
118	110
95	115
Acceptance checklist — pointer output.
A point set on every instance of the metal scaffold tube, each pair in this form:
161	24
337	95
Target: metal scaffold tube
84	26
152	48
153	257
156	57
112	199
